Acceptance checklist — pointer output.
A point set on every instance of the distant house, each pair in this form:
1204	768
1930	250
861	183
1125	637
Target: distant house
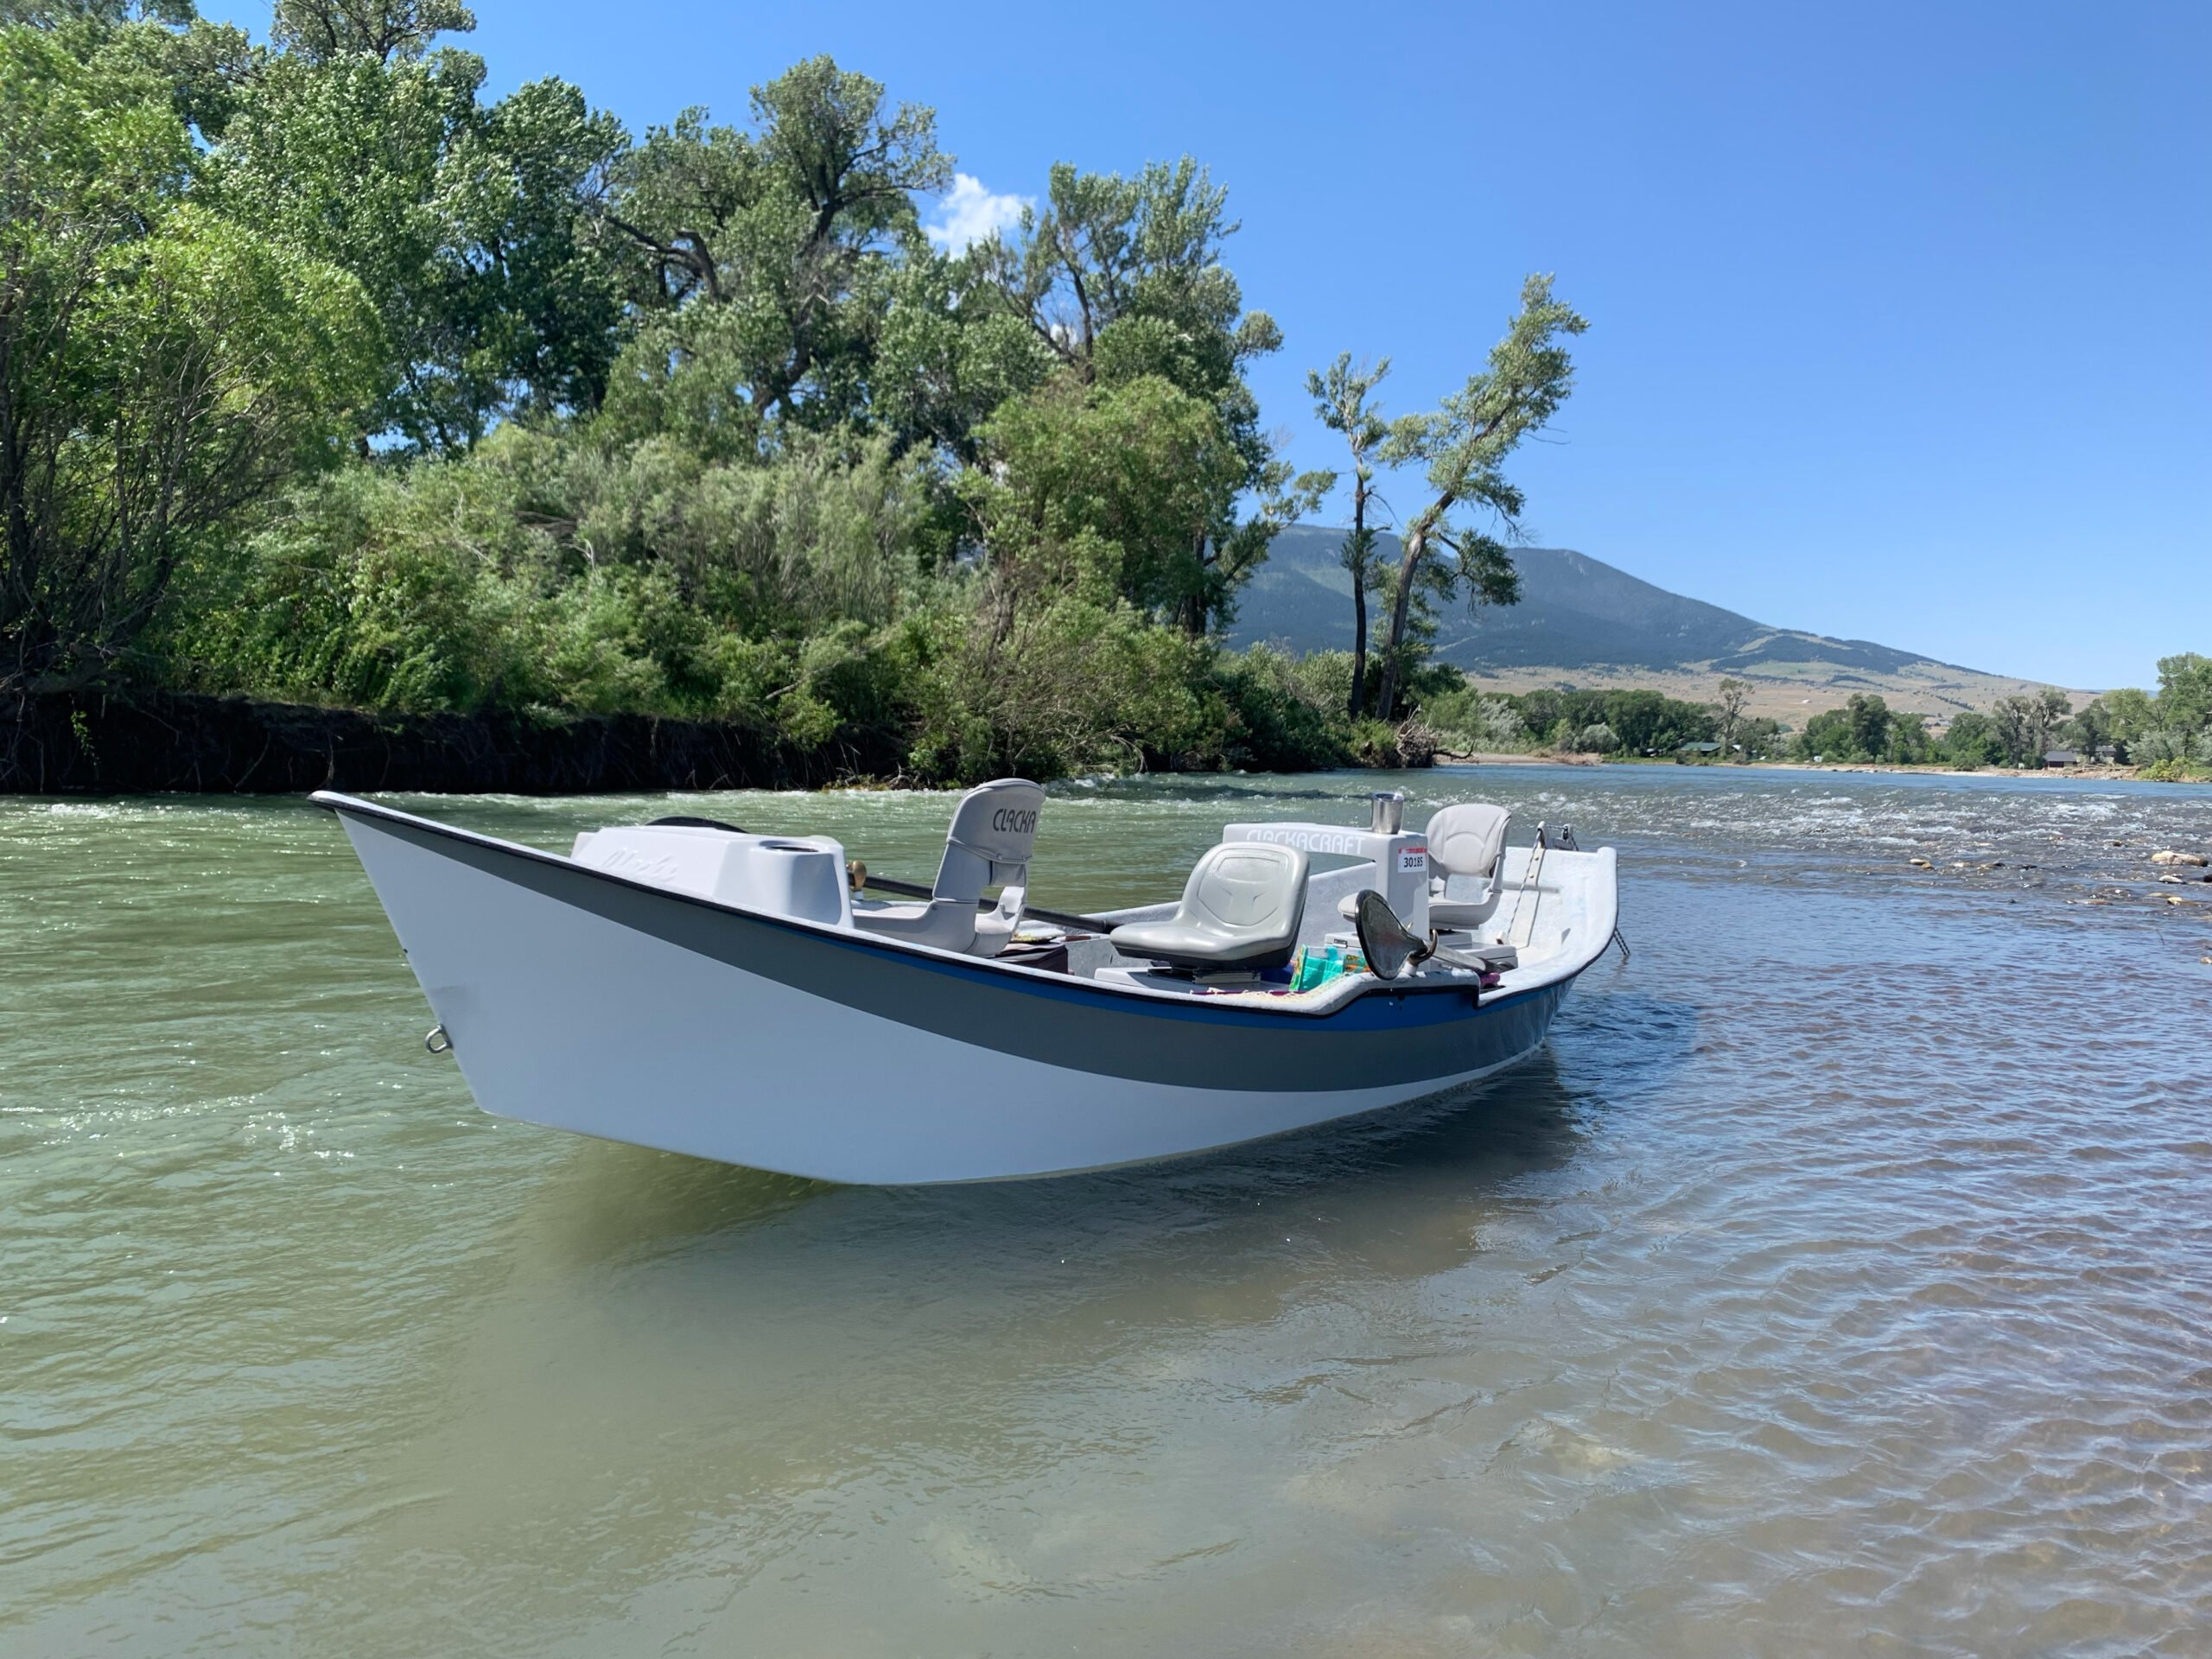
1695	751
2060	758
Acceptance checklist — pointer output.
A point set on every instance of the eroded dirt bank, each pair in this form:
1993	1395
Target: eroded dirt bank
109	744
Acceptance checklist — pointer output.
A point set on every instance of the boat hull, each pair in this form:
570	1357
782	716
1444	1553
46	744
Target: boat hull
583	1001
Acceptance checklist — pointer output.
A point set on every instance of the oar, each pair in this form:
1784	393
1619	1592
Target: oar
1058	917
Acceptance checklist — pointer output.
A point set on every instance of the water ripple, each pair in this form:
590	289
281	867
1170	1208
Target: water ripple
1839	1281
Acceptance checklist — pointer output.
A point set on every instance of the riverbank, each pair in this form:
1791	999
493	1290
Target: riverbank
152	742
1507	759
146	743
141	741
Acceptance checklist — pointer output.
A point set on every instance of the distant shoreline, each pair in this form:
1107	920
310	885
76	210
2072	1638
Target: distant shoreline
1502	759
2105	774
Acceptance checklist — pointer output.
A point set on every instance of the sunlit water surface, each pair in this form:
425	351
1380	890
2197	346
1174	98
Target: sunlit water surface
1837	1282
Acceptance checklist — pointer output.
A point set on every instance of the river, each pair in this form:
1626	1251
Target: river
1838	1281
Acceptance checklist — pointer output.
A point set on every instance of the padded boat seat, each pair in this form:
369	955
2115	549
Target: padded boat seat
1465	841
1240	908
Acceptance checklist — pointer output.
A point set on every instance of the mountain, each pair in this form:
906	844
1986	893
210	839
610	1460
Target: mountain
1582	622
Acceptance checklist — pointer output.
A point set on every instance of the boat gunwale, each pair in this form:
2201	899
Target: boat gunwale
1038	980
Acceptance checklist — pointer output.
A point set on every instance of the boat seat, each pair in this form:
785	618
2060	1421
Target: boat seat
1465	841
1240	908
993	831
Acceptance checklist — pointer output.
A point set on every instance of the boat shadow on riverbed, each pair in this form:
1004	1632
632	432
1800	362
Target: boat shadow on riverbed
799	1338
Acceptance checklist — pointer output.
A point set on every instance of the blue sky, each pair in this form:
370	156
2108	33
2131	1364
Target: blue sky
1901	314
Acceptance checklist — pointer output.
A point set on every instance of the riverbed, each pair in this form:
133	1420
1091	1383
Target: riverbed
1837	1281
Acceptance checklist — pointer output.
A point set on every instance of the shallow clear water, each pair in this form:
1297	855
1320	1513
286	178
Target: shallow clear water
1838	1280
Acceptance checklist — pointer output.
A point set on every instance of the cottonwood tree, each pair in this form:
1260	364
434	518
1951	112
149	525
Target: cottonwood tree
464	221
2024	723
2090	730
161	368
1734	695
2130	712
1120	282
1461	448
325	30
1096	496
1866	722
1340	398
99	13
2185	691
1122	277
763	256
948	354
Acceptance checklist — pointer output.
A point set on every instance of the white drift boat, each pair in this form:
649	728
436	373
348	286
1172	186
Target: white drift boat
687	986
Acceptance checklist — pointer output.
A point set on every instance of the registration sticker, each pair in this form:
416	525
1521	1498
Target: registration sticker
1412	860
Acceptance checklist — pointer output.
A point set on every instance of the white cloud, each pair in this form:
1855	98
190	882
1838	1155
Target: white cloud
970	213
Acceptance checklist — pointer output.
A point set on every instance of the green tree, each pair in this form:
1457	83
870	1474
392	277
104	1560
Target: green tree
463	222
97	14
1972	741
161	369
1099	490
325	31
2131	713
1473	720
766	258
1734	694
948	353
1340	398
2024	724
1759	737
2186	692
1867	720
1826	736
1650	721
205	65
1909	743
1122	280
1461	449
2089	730
1635	718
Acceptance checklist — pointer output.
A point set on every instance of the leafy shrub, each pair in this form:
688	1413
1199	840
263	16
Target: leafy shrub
1466	720
2176	771
377	591
2156	747
1286	709
1060	685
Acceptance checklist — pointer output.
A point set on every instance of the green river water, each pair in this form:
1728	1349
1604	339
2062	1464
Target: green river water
1837	1281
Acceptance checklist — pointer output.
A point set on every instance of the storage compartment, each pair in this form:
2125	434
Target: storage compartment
788	878
777	876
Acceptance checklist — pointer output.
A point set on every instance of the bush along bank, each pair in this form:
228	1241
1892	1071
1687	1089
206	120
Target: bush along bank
1255	718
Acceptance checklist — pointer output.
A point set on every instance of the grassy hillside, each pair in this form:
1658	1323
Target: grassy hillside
1584	623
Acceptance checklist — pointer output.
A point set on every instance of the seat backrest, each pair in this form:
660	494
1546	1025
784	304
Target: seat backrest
1467	840
1252	888
993	831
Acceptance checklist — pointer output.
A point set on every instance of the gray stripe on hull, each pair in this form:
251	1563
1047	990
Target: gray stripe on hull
1383	1038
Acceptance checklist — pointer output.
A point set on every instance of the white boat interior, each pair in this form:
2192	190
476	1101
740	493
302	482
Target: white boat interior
1511	917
